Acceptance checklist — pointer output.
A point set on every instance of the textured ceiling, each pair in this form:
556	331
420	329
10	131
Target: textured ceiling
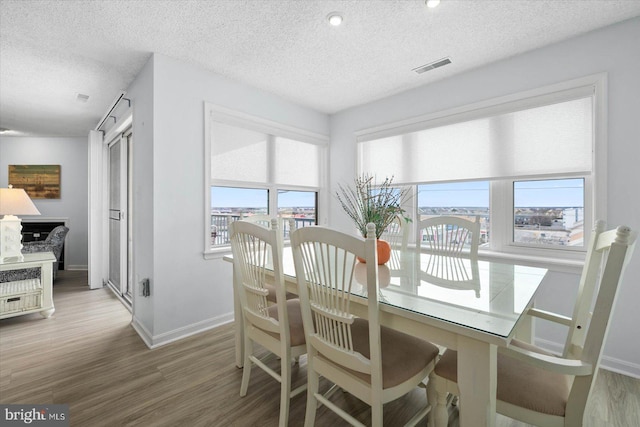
52	50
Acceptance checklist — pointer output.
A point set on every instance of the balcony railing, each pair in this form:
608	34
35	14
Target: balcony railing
220	227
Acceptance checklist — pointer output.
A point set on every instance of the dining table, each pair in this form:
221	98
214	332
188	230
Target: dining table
469	305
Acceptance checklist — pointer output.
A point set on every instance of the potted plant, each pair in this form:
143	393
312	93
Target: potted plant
380	204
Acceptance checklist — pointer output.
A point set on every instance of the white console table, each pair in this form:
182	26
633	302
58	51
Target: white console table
28	296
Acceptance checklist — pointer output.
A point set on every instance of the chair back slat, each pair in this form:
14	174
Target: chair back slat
326	289
448	235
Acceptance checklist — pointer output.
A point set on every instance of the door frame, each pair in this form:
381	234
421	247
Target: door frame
98	201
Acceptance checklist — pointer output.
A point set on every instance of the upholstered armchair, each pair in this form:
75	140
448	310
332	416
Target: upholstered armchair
53	243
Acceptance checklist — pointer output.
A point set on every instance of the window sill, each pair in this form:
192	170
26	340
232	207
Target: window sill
217	253
573	266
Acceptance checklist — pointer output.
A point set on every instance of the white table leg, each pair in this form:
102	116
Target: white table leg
46	279
525	331
477	367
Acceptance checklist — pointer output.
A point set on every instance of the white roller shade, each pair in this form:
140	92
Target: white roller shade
546	140
238	154
297	163
249	156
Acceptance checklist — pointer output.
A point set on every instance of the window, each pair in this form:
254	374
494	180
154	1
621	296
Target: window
230	204
549	212
468	200
257	167
300	205
524	164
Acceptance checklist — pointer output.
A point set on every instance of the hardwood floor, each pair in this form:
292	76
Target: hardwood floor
88	356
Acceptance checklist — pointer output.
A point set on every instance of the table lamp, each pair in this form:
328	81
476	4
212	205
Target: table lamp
13	201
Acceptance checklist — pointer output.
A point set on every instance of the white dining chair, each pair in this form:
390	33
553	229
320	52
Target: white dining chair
374	363
535	386
449	235
257	256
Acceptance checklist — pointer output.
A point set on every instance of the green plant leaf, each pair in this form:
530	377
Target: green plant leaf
367	202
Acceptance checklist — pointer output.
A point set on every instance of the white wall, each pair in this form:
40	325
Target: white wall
188	293
613	50
71	154
141	94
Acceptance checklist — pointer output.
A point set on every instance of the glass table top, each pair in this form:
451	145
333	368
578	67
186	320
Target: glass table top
484	295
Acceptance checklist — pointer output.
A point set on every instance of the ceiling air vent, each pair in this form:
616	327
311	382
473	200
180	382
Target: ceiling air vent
439	63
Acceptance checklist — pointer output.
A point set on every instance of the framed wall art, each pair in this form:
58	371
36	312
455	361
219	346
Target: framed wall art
39	181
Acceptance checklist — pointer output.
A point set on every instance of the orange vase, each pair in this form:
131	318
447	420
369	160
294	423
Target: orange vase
384	252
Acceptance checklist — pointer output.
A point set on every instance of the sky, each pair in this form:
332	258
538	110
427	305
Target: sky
528	194
224	197
553	193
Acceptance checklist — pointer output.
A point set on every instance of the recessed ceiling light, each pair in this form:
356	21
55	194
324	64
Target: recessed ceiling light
432	3
334	19
82	97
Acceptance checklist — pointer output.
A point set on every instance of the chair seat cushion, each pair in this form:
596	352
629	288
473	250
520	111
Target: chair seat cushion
296	330
519	383
403	356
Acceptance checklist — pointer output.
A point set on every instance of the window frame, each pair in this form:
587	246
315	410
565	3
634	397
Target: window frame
501	243
502	196
214	113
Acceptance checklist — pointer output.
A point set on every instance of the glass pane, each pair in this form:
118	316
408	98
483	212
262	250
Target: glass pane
466	200
115	187
299	205
549	212
231	204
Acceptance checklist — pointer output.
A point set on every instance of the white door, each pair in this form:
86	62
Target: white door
119	228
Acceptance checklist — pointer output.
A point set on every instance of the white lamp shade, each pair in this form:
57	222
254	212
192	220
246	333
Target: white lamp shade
15	201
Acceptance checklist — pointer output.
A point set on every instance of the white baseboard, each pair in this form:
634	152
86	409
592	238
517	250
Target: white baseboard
177	334
142	332
620	366
76	267
607	362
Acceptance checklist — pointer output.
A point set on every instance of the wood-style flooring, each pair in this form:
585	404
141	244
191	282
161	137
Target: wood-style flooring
88	356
